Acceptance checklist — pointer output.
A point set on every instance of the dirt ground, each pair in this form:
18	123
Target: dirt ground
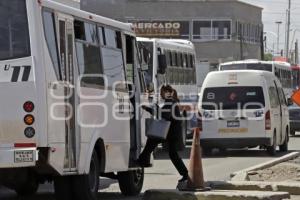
287	171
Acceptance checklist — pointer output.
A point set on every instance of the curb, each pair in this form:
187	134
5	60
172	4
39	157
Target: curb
292	188
214	195
264	165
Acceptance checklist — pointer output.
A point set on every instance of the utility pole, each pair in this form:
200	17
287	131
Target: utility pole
288	31
296	53
278	31
241	43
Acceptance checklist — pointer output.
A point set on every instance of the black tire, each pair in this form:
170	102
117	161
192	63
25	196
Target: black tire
285	147
131	182
292	133
206	151
272	149
29	188
63	188
85	187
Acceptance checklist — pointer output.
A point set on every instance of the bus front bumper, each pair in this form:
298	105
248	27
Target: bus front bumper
18	157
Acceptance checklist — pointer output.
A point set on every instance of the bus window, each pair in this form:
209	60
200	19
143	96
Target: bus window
88	54
184	61
51	39
179	62
167	58
14	38
170	57
129	59
174	59
112	56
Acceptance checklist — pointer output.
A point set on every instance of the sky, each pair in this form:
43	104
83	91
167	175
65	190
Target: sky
275	10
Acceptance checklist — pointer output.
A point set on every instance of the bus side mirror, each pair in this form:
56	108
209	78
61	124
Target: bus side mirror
150	88
162	64
290	101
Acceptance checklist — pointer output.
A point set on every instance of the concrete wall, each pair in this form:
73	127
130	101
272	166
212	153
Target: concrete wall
213	51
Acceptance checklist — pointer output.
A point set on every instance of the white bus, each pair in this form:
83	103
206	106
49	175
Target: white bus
67	114
282	70
170	61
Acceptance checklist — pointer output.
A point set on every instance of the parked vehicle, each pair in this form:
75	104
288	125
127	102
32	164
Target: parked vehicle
243	108
67	76
294	111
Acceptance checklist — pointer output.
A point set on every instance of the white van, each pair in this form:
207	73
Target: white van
243	108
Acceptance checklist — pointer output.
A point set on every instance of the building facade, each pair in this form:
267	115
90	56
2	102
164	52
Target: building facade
222	30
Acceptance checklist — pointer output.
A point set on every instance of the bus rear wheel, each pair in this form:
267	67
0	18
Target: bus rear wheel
131	182
28	188
86	186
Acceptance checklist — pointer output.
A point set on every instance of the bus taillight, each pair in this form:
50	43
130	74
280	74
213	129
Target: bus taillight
268	120
28	106
29	119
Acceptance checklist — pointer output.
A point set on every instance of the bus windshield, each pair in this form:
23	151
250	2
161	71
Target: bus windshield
232	98
14	38
246	66
146	50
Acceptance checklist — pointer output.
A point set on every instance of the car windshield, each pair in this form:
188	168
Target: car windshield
14	38
231	98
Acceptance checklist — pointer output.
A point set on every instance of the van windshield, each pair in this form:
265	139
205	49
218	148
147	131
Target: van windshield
232	98
14	37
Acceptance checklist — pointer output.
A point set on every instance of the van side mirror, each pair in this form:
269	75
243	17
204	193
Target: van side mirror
290	101
162	64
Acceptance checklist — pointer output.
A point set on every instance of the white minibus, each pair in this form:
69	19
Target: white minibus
282	70
70	88
243	108
173	62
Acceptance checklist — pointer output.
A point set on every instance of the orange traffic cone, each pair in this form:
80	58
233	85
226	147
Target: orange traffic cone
196	180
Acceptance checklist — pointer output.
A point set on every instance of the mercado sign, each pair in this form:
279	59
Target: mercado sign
168	29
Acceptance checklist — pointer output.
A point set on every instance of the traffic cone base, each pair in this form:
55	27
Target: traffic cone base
196	180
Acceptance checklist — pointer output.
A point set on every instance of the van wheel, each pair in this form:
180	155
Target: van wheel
63	188
272	149
284	146
28	188
131	182
86	186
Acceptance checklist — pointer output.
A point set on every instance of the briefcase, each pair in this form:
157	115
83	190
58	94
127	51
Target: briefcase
157	128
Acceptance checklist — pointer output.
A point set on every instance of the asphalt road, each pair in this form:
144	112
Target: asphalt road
164	176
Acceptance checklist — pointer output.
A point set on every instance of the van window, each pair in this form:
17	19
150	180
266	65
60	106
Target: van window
282	97
273	97
228	98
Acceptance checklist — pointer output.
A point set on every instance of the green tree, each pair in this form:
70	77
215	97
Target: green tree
268	57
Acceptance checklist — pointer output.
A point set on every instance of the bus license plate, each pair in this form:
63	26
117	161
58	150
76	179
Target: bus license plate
233	124
23	156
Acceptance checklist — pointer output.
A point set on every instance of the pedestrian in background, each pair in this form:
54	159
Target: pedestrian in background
170	111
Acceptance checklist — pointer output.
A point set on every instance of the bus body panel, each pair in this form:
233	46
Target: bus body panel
17	83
